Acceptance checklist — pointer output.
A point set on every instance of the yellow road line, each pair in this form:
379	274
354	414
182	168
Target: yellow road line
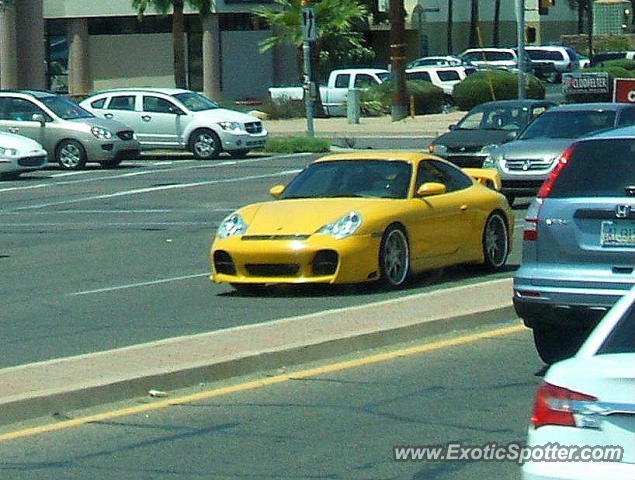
312	372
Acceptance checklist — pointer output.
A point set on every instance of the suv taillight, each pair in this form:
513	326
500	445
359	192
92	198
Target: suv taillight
563	161
530	232
557	406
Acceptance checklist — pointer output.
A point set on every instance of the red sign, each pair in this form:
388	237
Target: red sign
624	90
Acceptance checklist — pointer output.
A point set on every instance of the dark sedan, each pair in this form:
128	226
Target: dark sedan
489	124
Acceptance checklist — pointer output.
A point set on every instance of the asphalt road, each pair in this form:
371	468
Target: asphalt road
331	425
101	259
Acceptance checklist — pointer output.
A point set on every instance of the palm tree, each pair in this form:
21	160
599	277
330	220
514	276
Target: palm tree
449	27
474	37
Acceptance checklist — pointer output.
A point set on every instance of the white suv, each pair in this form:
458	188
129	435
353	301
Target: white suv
181	119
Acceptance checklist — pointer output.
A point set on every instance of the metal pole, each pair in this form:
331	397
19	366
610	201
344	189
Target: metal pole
308	94
520	5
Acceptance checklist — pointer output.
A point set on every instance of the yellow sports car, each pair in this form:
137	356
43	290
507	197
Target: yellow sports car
360	217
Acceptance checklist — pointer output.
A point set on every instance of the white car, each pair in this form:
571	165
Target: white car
175	118
19	154
586	407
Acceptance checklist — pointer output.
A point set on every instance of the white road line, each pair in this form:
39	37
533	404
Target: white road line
141	191
135	285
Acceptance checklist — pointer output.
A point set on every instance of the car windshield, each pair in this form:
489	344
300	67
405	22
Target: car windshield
570	124
65	108
352	178
491	117
195	102
622	337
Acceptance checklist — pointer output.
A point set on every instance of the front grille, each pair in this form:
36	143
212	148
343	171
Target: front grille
32	161
126	134
223	263
273	269
325	262
253	127
274	237
528	164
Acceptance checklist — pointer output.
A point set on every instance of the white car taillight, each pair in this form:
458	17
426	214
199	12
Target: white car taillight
557	405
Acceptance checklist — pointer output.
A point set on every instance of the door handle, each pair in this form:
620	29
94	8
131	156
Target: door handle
14	129
108	115
146	118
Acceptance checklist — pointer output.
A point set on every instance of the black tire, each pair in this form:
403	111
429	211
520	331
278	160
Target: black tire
555	342
239	153
111	163
394	257
248	288
205	144
495	242
70	155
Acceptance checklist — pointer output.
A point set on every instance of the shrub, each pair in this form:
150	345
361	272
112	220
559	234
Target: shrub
298	144
615	69
477	88
284	108
428	98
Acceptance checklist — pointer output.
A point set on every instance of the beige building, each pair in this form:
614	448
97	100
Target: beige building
84	45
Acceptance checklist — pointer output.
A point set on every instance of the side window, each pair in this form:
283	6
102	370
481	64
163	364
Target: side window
158	105
122	102
364	81
435	171
627	117
21	110
341	81
98	104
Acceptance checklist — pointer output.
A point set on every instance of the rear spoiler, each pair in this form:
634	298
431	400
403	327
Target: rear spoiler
489	177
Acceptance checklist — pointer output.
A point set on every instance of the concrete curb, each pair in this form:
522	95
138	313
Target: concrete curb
63	385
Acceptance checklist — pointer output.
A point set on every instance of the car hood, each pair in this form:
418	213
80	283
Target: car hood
534	148
18	142
473	138
306	216
112	125
223	114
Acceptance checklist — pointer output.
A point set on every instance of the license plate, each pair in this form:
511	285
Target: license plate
618	234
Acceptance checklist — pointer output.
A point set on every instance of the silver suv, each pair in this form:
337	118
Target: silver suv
578	242
181	119
527	161
71	135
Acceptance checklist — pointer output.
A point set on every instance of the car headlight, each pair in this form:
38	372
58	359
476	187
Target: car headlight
101	133
344	227
437	149
232	225
9	152
231	126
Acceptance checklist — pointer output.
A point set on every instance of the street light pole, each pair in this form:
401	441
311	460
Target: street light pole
520	5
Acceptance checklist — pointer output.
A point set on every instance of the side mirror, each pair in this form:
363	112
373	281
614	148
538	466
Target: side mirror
276	191
431	188
38	117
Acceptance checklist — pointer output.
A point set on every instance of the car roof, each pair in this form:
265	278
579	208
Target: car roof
165	91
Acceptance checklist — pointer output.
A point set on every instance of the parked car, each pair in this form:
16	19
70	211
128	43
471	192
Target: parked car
438	61
504	58
550	62
362	217
443	77
578	242
180	119
527	161
335	92
586	407
19	154
71	135
489	124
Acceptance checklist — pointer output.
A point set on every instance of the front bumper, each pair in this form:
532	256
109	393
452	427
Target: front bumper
316	259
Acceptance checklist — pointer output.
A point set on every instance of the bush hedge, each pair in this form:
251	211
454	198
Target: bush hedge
428	98
477	88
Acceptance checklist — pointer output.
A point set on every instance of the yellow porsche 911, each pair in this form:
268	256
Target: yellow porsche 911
361	217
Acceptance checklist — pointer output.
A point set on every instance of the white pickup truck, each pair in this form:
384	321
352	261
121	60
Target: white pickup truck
334	94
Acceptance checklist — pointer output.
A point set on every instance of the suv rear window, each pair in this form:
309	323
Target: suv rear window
598	168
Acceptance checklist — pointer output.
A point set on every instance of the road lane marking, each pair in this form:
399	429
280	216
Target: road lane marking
135	285
274	380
